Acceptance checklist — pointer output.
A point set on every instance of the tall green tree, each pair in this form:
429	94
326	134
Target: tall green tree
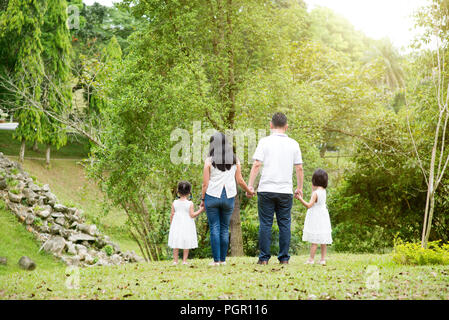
20	28
56	86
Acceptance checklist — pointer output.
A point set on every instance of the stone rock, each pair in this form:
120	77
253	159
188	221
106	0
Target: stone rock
60	221
89	259
102	262
50	198
14	197
100	243
30	195
74	225
30	219
26	263
71	248
60	208
55	229
34	187
71	211
44	213
3	261
116	259
81	237
55	245
44	229
131	256
57	215
89	229
81	251
71	261
3	184
46	188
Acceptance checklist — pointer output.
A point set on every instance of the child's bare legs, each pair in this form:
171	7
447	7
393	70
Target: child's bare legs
323	252
185	255
175	256
313	248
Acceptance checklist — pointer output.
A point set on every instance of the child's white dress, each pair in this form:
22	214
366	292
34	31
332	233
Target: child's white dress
317	226
182	229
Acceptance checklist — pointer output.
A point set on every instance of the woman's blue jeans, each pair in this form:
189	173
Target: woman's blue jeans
219	212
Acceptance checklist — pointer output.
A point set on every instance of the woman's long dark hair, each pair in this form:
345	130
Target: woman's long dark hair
221	152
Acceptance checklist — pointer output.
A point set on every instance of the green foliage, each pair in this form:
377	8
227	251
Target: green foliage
20	27
38	221
414	254
56	85
109	250
356	238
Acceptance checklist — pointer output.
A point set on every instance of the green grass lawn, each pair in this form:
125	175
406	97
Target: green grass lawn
345	277
15	242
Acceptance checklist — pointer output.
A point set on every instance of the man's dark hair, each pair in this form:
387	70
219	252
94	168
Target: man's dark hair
184	188
320	178
279	120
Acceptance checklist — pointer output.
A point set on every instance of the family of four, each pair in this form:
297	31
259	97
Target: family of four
277	155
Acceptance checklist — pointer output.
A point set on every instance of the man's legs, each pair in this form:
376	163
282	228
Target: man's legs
266	207
283	217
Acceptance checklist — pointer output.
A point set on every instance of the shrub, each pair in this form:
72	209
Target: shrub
413	254
355	238
109	250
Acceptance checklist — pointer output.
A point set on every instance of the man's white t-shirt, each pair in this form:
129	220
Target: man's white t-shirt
279	154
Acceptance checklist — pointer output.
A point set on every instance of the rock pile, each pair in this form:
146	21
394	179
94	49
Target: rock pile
61	230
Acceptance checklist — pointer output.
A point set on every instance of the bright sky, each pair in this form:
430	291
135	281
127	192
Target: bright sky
103	2
378	18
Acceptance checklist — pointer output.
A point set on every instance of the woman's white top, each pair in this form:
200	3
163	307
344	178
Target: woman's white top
221	179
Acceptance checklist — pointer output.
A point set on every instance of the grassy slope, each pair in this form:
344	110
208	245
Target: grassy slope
344	278
16	242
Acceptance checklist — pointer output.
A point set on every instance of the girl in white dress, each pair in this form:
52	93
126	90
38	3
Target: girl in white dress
317	226
182	224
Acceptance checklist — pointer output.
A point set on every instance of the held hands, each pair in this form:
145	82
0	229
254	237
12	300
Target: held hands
298	194
251	193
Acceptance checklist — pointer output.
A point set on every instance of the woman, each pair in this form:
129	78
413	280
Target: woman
221	171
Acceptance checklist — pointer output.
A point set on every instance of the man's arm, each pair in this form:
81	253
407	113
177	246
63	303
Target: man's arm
254	172
299	180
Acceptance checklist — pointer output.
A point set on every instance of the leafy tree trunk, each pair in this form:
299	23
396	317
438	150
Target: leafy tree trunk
47	156
22	151
236	226
35	146
236	231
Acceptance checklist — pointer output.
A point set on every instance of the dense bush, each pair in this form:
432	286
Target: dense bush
413	254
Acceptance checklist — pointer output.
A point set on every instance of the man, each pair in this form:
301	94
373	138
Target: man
279	154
